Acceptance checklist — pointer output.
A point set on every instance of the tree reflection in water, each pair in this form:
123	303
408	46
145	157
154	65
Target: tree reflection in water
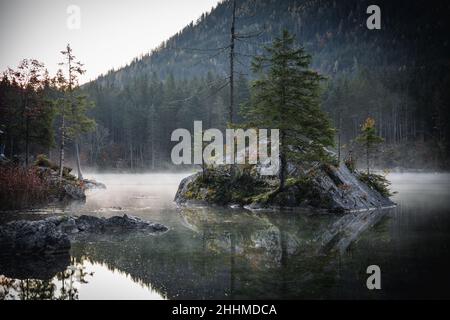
63	286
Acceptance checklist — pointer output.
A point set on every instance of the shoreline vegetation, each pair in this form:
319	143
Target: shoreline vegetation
39	185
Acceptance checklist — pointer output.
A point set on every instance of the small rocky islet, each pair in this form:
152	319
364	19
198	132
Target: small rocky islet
356	200
334	189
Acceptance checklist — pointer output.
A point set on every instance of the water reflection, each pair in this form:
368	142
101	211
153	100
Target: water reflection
213	253
41	287
217	253
82	279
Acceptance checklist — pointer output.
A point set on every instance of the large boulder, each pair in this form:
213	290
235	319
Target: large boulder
181	197
72	191
347	192
33	237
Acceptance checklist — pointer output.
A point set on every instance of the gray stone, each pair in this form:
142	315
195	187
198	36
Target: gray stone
33	237
73	192
52	235
92	184
180	196
121	223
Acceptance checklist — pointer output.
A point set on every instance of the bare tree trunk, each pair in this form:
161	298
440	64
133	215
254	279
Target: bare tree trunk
11	147
339	136
27	140
77	153
131	156
233	20
153	151
61	147
368	159
152	135
339	147
282	170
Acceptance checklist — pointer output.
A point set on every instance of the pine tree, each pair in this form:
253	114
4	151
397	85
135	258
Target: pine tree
369	139
30	81
73	107
286	97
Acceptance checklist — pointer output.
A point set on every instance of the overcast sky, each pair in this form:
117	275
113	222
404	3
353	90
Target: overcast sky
111	33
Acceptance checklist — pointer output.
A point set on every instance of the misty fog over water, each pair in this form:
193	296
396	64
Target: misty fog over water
233	253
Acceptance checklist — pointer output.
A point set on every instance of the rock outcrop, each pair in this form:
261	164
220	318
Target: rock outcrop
125	223
330	188
69	187
53	235
33	237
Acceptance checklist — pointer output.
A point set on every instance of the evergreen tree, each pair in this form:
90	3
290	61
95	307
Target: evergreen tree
73	107
369	139
286	97
25	115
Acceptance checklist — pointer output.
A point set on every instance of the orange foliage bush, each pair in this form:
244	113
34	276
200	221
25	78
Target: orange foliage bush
21	188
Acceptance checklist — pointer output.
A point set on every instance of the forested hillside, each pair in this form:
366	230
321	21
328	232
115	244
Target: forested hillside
398	75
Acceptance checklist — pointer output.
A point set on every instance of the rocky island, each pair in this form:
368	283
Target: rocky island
328	188
358	200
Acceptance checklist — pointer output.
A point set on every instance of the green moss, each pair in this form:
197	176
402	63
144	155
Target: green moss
243	187
377	182
43	161
297	192
221	187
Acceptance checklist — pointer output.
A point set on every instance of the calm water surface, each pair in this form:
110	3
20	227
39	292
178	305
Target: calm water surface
234	254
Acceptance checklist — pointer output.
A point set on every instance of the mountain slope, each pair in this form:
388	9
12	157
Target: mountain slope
398	75
334	32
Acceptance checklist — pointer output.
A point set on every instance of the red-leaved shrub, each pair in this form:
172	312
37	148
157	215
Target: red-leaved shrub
21	188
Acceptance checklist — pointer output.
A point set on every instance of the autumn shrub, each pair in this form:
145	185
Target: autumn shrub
21	188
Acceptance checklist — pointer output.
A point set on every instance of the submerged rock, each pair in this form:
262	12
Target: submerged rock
52	235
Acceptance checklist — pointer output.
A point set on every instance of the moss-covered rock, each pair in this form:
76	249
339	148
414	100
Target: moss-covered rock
327	187
223	186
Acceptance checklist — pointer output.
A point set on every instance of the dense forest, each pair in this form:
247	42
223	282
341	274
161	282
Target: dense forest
398	75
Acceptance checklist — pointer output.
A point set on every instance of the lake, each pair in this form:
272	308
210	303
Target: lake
218	253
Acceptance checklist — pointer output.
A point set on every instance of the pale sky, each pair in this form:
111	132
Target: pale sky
111	33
